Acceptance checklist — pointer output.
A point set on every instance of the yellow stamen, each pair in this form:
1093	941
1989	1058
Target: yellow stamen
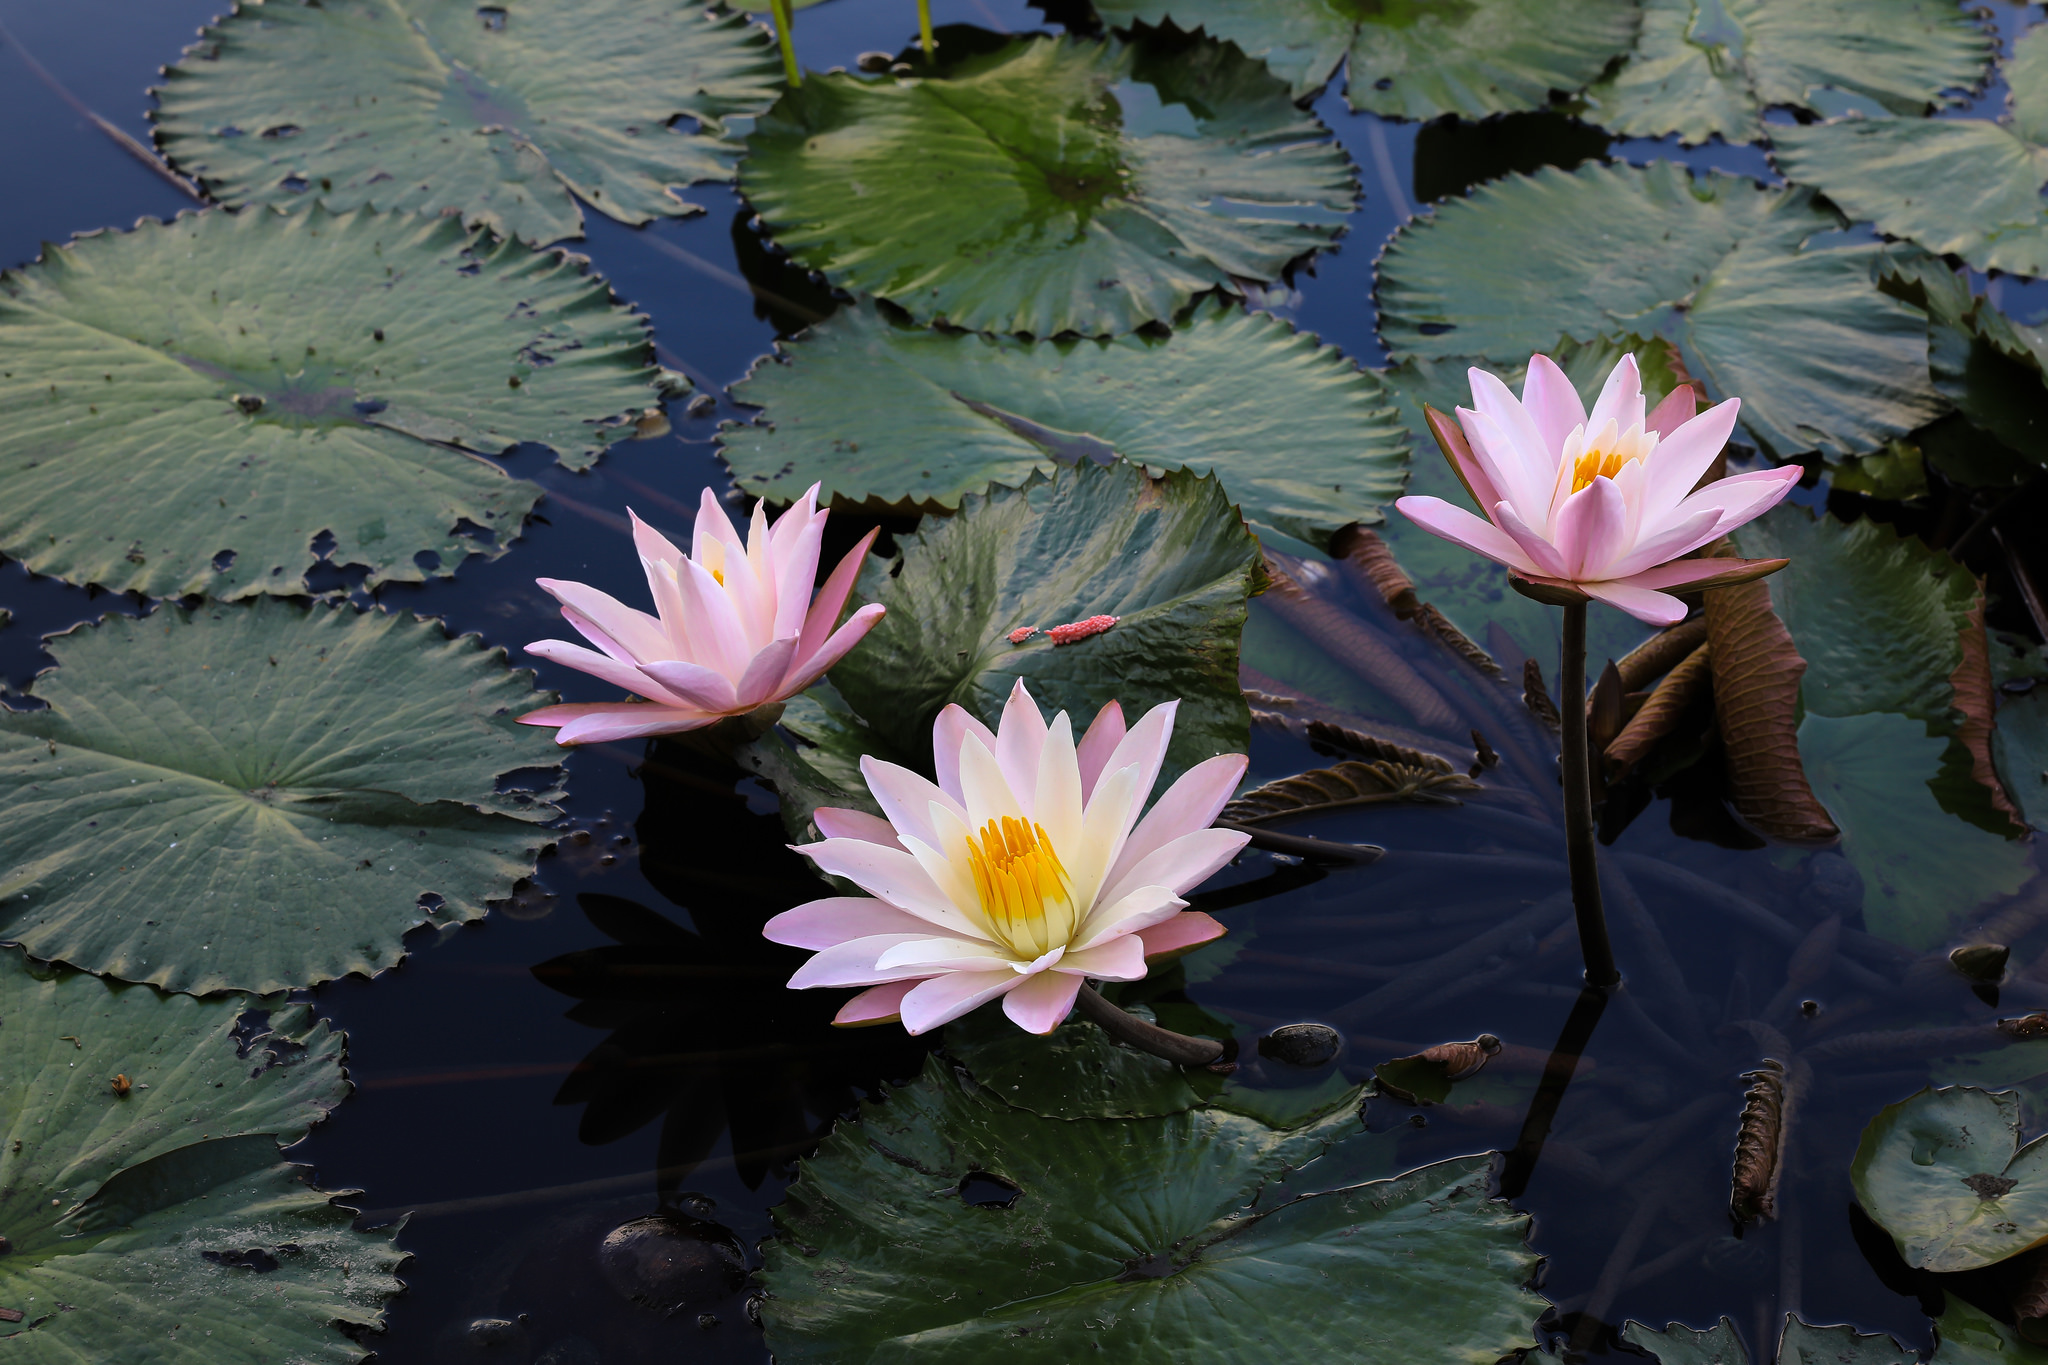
719	574
1600	463
1024	893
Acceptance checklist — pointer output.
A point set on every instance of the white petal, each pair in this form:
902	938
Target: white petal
943	999
1057	804
948	732
905	797
941	954
835	920
1180	865
1190	804
1019	737
894	876
984	788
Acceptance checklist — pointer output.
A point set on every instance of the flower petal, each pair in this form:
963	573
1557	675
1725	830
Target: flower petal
835	920
853	963
713	622
1675	540
1506	436
1696	575
891	874
1139	908
1591	530
1621	398
1457	449
1447	521
1552	403
600	722
1681	458
1655	608
1179	865
640	634
1020	734
627	676
1056	802
805	671
793	569
762	682
948	732
1104	734
697	685
1040	1002
836	822
1191	803
1188	929
905	797
1679	407
942	999
1120	959
823	617
984	787
1538	550
875	1005
938	953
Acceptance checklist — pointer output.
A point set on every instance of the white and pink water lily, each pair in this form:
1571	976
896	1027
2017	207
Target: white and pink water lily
1603	506
735	626
1024	870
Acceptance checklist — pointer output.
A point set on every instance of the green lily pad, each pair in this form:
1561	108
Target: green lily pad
1992	369
1924	870
191	405
1963	187
1714	66
1944	1173
2019	746
262	796
1170	558
1707	263
1967	1335
162	1224
1410	59
888	415
1077	1072
1054	185
1876	615
1200	1234
506	116
1799	1344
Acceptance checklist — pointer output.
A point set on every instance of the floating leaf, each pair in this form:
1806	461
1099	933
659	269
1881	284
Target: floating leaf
1678	1344
191	405
891	416
503	116
162	1224
1963	187
1992	369
1924	871
1705	262
1700	70
1427	1077
1321	790
1756	670
1966	1335
1412	60
262	796
1944	1173
1177	1236
1799	1344
1170	557
1079	1072
1053	185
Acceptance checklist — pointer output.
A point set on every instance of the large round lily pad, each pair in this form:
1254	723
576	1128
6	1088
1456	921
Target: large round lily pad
505	115
1993	369
1966	187
1705	69
887	415
1053	185
1170	558
262	796
1798	1344
162	1224
1176	1237
191	405
1717	265
1944	1173
1413	59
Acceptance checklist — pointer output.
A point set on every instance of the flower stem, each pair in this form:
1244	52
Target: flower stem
785	19
1578	805
1160	1042
924	30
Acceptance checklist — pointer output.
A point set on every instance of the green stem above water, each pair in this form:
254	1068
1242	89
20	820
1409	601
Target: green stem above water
924	30
1576	763
1160	1042
785	18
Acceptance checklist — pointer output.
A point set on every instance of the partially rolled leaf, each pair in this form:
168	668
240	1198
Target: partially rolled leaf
1759	1147
1681	687
1974	702
1348	784
1603	708
1427	1077
1374	748
1536	696
1661	653
1756	672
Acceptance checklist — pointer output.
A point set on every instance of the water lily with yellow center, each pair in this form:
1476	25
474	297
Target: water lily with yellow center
1021	872
736	626
1603	506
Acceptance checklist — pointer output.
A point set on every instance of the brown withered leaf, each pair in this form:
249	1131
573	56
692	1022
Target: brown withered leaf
1759	1146
2026	1028
1347	784
1536	696
1374	748
1661	653
1363	550
1674	696
1603	708
1426	1077
1973	699
2030	1300
1438	627
1483	756
1756	672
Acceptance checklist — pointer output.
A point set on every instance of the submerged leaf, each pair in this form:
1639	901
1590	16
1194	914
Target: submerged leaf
190	406
1700	70
1056	185
1201	1234
1411	60
504	117
1704	261
1944	1173
1756	671
131	1217
262	796
1963	187
1350	784
889	415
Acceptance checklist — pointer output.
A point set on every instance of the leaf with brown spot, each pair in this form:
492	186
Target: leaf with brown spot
1756	672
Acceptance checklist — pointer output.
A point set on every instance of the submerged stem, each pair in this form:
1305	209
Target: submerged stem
1128	1028
1578	805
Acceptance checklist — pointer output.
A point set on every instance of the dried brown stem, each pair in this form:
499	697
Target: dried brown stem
1128	1028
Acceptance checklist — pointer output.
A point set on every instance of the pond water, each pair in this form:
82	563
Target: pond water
615	1041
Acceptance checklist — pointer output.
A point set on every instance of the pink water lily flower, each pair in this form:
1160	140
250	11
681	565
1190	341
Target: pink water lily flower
735	626
1603	506
1021	872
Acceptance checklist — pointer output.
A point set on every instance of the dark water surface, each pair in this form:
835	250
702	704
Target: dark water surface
518	1115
